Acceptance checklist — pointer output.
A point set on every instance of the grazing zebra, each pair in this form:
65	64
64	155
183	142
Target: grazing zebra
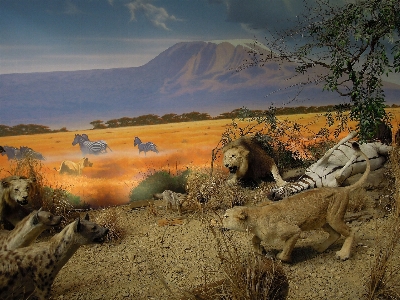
22	152
338	164
149	146
29	152
11	152
88	147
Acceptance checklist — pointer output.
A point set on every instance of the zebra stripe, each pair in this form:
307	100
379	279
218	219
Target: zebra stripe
88	147
145	147
334	169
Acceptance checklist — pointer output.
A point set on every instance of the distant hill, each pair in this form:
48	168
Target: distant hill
193	76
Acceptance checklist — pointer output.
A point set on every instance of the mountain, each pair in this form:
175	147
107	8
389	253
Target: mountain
190	76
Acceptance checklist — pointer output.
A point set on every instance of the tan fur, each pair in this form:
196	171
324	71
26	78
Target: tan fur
285	220
30	271
173	200
14	191
26	231
72	168
246	160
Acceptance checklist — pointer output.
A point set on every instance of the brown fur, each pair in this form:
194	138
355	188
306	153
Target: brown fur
248	162
30	271
73	168
285	220
14	191
26	231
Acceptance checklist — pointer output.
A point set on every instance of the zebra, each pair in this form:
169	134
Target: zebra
11	152
88	147
29	152
338	164
149	146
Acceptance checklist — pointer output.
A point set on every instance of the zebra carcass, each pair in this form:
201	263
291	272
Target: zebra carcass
338	164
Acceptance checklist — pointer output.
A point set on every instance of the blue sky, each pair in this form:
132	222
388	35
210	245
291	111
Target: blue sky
58	35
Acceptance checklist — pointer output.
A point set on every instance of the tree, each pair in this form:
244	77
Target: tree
98	124
349	49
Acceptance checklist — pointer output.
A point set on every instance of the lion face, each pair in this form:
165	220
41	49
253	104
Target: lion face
233	160
17	189
235	219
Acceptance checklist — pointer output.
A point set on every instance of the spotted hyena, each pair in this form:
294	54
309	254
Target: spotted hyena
30	271
26	231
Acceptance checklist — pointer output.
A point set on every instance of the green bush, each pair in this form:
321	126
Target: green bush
158	183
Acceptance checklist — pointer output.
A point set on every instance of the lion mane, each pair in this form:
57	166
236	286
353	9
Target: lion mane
14	192
249	163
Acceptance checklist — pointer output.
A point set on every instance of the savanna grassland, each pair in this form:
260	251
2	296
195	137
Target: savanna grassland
113	175
153	261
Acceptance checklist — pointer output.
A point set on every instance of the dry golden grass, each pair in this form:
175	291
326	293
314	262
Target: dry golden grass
114	174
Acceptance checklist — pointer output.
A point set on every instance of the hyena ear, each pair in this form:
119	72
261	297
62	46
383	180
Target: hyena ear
87	217
35	219
77	225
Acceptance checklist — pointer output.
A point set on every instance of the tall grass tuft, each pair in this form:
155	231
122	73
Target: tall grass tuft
211	192
245	276
384	280
53	199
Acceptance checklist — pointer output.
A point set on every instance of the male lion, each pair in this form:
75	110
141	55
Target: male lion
248	162
285	220
14	191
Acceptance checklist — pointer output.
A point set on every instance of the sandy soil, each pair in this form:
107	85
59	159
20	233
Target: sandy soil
151	257
185	256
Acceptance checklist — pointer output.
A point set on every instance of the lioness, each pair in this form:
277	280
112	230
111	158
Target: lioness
14	191
285	220
73	168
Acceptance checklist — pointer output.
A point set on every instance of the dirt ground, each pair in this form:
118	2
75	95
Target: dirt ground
160	262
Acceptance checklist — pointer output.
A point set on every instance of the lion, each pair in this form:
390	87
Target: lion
72	168
285	220
14	191
249	163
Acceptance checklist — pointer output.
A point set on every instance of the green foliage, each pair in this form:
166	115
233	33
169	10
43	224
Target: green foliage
158	183
348	48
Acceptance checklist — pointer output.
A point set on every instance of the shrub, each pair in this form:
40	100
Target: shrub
55	200
158	183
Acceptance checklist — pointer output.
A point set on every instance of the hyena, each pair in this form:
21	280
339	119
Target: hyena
30	271
26	231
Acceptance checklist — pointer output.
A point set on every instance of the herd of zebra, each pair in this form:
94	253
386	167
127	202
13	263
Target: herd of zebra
19	153
86	146
100	146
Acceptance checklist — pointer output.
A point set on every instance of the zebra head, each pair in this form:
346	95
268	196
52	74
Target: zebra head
85	137
78	139
136	141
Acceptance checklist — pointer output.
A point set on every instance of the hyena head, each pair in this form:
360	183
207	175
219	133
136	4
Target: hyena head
45	218
88	232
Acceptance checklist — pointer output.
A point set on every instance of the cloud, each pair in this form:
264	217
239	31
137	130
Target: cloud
158	16
264	14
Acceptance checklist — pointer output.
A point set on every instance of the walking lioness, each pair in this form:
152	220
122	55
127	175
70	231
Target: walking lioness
285	220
